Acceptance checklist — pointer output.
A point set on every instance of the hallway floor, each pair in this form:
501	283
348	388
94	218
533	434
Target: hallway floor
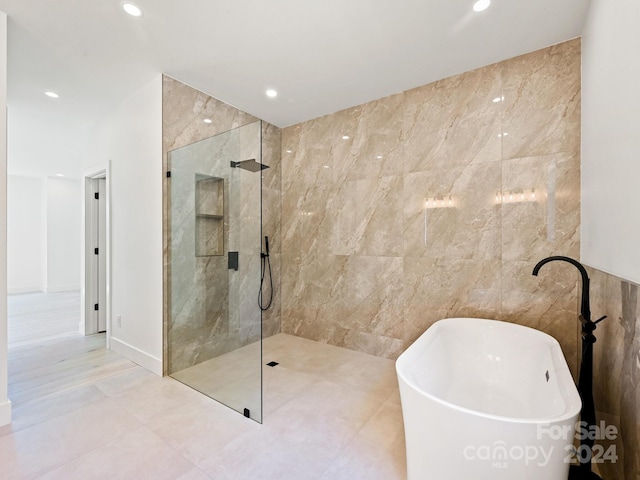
83	412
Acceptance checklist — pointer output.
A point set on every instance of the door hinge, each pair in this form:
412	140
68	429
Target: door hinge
168	173
95	307
95	250
96	195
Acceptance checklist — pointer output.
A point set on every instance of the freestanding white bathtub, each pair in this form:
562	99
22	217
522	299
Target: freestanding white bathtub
490	400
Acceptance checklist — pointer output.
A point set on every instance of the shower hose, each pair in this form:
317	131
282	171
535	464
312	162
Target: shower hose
266	265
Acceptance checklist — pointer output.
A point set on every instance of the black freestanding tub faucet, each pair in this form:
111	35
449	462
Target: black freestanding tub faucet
585	380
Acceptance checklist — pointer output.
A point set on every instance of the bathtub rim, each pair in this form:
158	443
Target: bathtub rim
573	409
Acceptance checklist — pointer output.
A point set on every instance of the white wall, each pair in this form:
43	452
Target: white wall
63	218
611	138
5	404
24	234
131	138
60	147
43	234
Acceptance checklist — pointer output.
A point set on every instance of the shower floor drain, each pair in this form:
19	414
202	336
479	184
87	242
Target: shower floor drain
272	364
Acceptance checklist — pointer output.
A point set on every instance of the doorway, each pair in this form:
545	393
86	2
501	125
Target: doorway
95	294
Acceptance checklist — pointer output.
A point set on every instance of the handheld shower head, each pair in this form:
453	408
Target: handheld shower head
266	264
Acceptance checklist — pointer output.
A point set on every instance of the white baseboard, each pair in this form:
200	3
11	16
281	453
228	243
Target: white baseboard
63	288
138	356
5	413
28	289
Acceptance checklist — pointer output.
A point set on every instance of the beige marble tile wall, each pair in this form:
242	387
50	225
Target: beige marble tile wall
184	111
617	373
271	224
437	202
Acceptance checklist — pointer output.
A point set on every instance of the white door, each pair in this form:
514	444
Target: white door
97	285
102	256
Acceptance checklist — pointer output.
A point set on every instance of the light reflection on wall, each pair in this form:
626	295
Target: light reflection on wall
517	196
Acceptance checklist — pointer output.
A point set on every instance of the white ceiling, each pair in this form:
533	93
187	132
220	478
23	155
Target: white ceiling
321	56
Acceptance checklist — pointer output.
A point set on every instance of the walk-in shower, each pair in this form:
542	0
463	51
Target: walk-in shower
214	331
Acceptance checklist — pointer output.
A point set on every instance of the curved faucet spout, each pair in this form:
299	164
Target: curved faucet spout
585	310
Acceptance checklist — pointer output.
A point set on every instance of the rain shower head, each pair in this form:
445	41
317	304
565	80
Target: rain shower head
251	165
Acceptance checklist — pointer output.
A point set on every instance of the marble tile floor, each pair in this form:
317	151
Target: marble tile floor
233	379
330	413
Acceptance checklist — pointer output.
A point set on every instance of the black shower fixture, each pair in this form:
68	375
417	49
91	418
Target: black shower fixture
266	265
583	471
250	165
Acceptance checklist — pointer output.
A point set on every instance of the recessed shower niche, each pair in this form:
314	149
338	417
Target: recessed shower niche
209	208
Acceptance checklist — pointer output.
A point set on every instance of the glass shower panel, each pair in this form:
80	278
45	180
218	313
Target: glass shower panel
215	328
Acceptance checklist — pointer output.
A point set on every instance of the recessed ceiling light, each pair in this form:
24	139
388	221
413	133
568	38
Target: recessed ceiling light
345	137
207	120
51	94
59	174
132	9
481	5
271	93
